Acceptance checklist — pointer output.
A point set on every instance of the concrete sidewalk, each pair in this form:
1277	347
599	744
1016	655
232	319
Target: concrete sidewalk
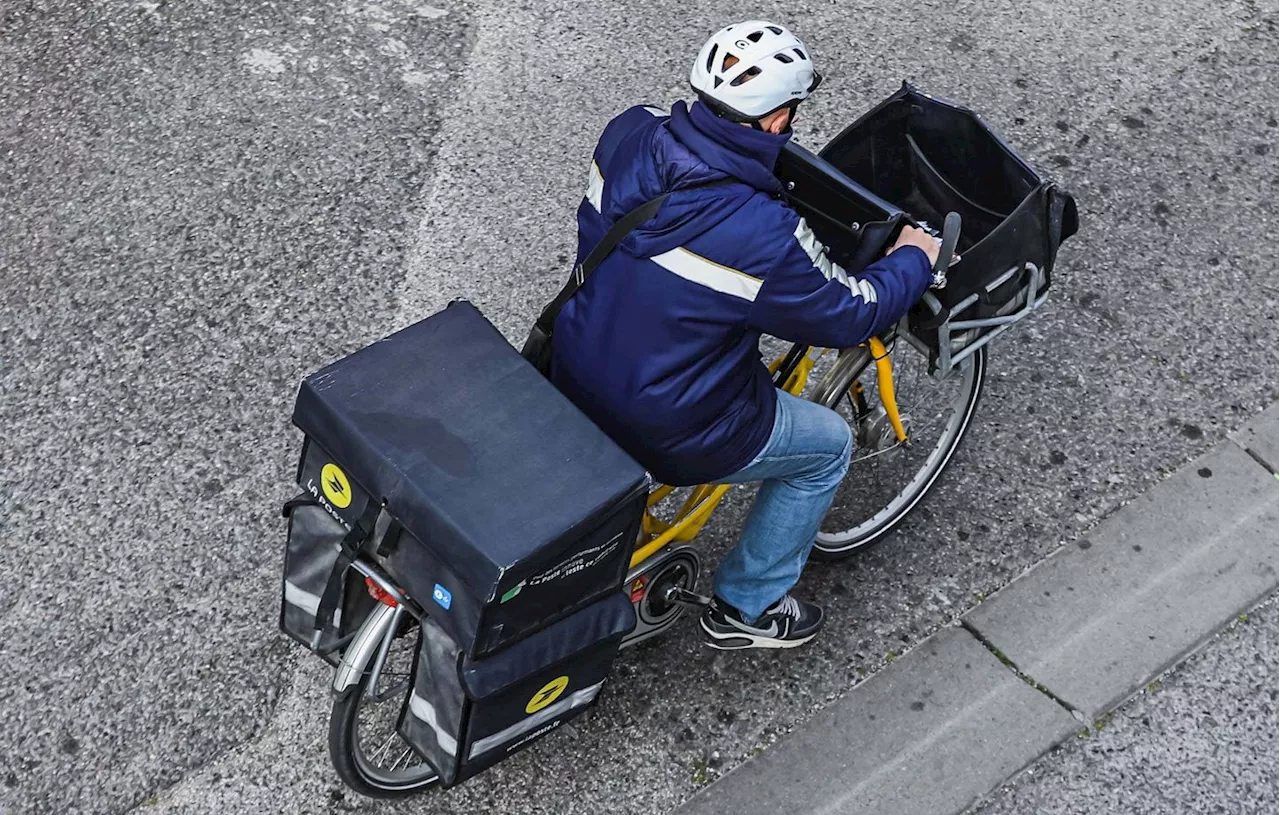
1201	738
1041	660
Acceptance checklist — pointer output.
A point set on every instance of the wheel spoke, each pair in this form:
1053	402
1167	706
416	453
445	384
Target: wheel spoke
384	750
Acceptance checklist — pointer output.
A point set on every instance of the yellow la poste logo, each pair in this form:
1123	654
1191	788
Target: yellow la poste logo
547	694
336	487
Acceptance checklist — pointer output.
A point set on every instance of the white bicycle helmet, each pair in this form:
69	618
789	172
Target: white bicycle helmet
775	61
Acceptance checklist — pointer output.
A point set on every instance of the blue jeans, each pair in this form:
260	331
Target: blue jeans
801	465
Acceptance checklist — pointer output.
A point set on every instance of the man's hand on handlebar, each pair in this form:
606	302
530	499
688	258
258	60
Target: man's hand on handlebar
911	236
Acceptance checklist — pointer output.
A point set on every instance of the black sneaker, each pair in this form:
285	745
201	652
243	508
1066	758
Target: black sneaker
785	624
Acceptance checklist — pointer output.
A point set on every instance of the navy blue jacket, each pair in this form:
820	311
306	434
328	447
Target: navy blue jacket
660	347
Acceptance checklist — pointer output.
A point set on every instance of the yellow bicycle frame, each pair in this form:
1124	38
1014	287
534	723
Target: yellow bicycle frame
696	510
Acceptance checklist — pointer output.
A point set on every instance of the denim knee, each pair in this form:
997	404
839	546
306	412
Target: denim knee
840	465
837	438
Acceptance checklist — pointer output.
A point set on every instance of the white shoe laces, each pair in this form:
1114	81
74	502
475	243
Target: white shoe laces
788	606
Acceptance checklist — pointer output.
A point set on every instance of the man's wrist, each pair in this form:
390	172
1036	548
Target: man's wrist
924	256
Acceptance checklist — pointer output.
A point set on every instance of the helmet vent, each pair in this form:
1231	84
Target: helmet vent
745	75
755	36
799	53
774	29
717	80
711	58
783	58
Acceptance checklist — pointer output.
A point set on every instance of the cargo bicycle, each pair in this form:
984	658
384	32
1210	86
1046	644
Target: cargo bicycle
909	397
664	569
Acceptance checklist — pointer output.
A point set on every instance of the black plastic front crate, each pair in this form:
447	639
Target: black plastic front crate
912	159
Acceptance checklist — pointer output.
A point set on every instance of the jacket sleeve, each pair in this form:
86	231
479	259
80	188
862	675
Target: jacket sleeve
807	298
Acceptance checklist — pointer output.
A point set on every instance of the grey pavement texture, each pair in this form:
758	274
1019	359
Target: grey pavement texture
199	204
905	741
1095	621
1202	739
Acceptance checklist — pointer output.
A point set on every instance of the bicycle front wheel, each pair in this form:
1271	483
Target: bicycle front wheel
886	479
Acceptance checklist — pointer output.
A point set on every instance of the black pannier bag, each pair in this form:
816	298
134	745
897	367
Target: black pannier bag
321	602
464	715
915	157
514	509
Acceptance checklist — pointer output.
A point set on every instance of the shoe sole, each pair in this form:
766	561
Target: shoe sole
741	640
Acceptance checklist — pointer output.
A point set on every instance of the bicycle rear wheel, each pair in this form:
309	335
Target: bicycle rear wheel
365	748
886	480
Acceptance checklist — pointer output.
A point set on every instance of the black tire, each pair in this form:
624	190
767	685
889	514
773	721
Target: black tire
964	408
345	750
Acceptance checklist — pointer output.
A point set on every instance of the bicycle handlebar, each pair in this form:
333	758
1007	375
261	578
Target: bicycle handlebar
950	237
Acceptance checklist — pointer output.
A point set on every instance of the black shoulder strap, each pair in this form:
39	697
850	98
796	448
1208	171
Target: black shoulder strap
620	229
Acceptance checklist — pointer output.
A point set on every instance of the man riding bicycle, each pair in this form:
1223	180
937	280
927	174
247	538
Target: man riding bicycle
660	346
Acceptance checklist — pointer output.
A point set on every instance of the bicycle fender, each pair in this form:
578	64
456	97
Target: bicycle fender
356	658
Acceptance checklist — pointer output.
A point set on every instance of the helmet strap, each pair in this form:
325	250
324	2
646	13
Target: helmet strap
722	113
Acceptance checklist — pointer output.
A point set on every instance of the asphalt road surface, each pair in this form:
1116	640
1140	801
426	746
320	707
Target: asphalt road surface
201	203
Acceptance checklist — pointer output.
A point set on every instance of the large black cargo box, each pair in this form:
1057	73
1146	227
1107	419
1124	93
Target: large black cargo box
516	509
931	157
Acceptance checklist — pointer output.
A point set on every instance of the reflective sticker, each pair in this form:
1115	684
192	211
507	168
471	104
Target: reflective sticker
335	485
424	711
442	596
301	598
697	269
511	593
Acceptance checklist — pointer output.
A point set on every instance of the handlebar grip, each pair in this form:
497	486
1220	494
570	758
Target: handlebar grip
950	237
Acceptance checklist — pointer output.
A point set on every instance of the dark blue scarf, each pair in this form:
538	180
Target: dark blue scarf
742	152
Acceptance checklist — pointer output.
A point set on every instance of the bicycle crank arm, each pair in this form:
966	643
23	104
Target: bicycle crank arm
684	597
